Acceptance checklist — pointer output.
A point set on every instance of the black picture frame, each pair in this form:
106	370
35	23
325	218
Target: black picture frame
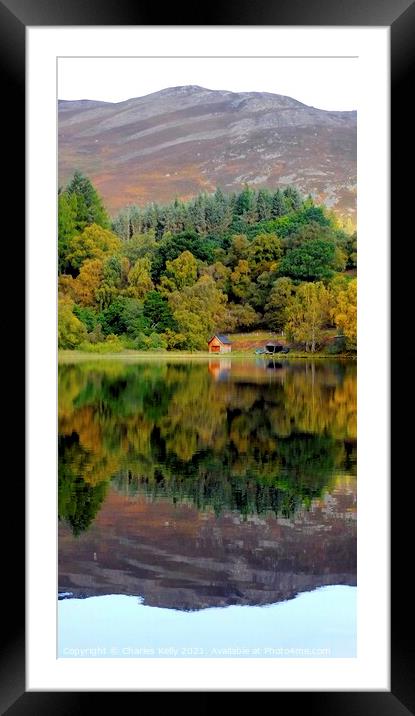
399	15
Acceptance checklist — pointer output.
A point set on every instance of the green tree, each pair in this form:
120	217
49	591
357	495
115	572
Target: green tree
116	271
67	227
93	243
307	313
219	272
133	319
240	316
264	205
87	315
198	311
113	319
292	198
238	249
158	312
240	280
278	206
314	260
180	272
263	253
140	246
71	332
78	501
343	309
139	278
348	244
90	209
172	246
245	206
276	307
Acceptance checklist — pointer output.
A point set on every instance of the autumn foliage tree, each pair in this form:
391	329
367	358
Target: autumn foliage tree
172	274
343	310
307	313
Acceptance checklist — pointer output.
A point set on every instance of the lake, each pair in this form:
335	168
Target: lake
207	508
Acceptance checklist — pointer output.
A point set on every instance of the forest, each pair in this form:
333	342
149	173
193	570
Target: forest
173	431
167	277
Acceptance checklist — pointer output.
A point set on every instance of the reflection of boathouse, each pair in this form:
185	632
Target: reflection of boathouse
220	369
219	344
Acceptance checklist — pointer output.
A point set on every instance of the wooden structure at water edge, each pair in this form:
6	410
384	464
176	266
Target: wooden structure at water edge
271	348
219	344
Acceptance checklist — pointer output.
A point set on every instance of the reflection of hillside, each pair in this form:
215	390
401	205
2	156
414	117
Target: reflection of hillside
258	440
178	557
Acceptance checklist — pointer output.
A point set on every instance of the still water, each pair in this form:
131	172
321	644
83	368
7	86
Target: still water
207	508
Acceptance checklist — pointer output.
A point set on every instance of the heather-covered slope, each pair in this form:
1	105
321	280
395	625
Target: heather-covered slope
183	140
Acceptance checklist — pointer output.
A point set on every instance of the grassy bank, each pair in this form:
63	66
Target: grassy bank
67	356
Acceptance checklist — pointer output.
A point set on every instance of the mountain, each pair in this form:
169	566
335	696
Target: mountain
184	140
177	557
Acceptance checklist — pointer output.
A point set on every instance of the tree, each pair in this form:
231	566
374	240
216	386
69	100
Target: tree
264	205
85	286
278	207
238	249
348	244
139	278
240	280
313	260
292	198
276	308
304	230
116	271
240	316
245	206
219	272
93	243
113	318
90	209
180	272
197	214
172	246
263	253
133	319
198	311
343	310
140	246
158	312
307	312
217	213
67	226
87	315
71	332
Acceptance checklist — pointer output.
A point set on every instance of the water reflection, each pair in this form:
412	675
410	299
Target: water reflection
192	495
252	437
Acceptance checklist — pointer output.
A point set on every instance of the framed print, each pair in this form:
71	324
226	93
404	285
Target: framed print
184	524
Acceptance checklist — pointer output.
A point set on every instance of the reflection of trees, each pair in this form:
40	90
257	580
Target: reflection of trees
280	481
173	430
78	501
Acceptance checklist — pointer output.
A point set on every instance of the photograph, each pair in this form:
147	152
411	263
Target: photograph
208	485
207	357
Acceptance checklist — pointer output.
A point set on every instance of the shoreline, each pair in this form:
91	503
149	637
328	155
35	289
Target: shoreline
74	356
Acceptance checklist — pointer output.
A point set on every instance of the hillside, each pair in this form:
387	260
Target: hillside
177	557
183	140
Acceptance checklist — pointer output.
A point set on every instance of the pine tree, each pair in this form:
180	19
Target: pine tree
278	205
90	209
263	206
293	198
